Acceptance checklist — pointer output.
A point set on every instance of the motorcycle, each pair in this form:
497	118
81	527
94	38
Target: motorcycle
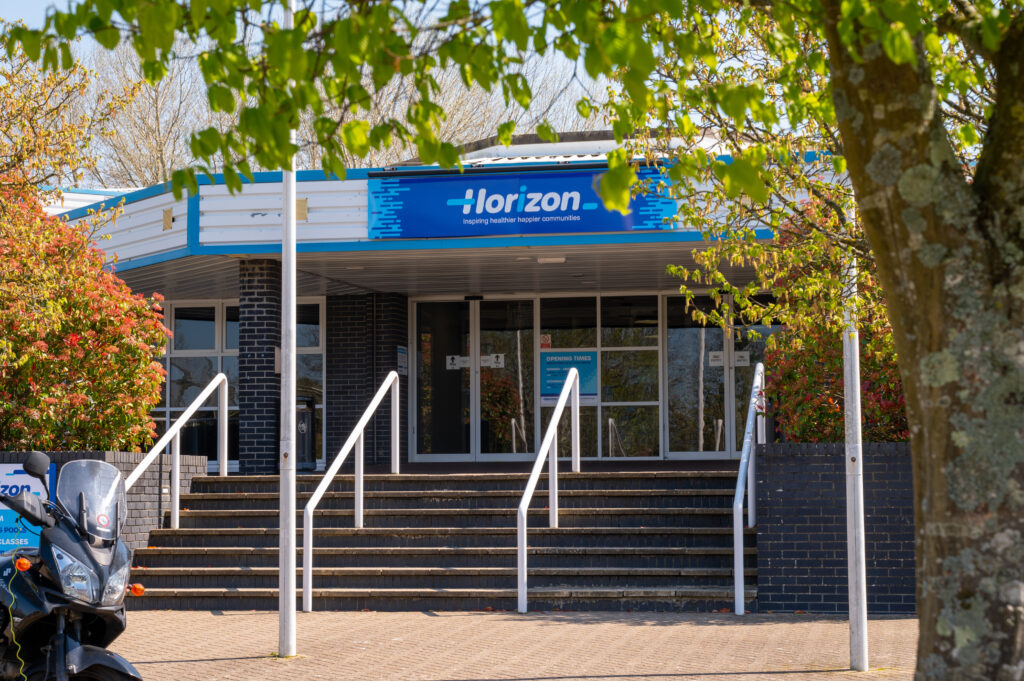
62	604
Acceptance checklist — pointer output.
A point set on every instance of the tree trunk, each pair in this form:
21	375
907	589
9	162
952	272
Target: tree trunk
950	256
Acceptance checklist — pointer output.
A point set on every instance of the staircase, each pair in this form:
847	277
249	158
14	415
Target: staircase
633	540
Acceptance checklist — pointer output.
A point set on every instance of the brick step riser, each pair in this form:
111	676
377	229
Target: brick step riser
465	520
186	581
561	561
229	486
440	603
411	540
509	502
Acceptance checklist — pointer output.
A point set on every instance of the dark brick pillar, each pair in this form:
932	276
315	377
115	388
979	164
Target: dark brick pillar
801	528
363	335
259	387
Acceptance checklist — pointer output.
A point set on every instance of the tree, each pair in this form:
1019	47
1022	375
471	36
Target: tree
911	90
78	351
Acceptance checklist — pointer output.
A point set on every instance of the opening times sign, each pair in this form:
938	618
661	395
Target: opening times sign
506	203
554	367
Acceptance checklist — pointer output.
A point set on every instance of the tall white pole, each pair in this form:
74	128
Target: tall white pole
286	578
856	561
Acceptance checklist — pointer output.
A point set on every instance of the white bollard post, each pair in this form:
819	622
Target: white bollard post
395	424
575	397
553	483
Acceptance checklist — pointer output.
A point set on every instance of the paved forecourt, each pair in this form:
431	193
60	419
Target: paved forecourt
551	646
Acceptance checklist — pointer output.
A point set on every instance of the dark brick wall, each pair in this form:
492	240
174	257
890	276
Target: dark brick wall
259	387
148	498
801	528
362	338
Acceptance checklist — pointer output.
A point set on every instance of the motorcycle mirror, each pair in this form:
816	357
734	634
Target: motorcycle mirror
37	464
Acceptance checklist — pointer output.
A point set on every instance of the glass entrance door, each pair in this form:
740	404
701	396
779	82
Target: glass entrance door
506	378
444	391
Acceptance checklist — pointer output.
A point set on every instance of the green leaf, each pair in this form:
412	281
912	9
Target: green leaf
221	98
505	132
898	44
546	132
584	108
616	183
741	176
356	135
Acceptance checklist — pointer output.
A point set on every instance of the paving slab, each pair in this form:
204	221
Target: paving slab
543	646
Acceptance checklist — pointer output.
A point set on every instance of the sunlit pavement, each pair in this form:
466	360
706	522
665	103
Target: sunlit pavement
167	645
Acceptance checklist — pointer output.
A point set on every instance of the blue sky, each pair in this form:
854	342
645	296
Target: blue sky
32	13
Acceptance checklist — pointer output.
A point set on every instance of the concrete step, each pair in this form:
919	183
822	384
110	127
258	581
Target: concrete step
640	498
435	577
454	536
723	479
540	598
448	556
479	517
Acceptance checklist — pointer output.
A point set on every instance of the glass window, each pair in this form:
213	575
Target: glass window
695	388
231	327
631	431
307	326
745	374
629	321
195	328
569	322
309	370
188	376
588	430
629	376
229	365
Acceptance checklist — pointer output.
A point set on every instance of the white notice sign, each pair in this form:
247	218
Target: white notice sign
455	362
495	361
716	358
742	358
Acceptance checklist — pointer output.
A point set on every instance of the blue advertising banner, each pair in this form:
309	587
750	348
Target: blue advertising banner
14	480
555	365
506	203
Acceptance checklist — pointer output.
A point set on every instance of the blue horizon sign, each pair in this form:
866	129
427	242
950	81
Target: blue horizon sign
555	202
13	481
554	367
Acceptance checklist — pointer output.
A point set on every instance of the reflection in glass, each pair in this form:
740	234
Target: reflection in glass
229	365
745	375
506	376
231	327
696	398
628	321
309	370
442	378
631	431
307	326
588	430
629	376
188	376
194	328
571	322
199	436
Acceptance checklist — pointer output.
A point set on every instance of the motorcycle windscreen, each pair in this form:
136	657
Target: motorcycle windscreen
93	491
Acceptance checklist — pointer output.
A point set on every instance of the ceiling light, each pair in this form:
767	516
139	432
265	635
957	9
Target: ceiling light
551	261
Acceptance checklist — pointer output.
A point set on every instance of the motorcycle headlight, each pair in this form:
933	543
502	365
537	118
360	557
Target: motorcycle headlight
117	582
77	580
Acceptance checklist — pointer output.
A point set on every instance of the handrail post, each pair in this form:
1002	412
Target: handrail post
307	561
175	479
737	559
222	429
358	492
521	557
553	484
575	409
395	400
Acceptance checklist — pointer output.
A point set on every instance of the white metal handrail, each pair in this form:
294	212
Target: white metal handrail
355	439
745	482
173	435
549	445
